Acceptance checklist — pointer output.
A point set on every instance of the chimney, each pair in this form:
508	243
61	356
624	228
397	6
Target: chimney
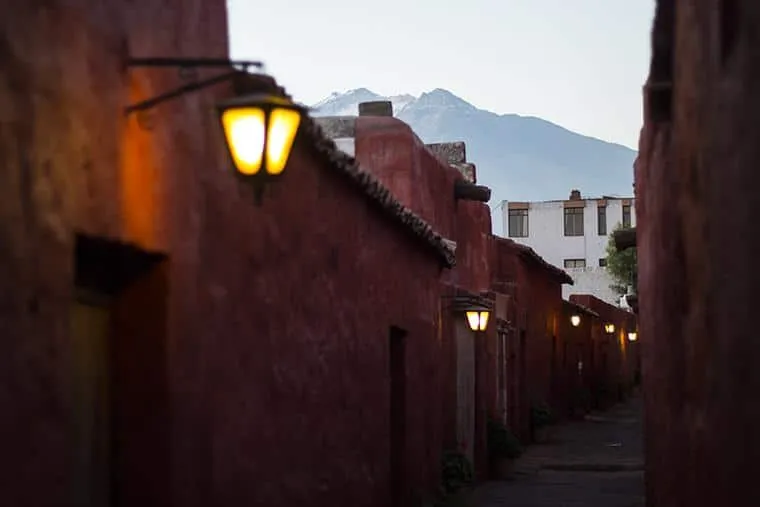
575	195
376	108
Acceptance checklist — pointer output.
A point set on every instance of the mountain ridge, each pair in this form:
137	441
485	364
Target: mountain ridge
523	158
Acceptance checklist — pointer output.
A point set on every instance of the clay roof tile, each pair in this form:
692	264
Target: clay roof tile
364	181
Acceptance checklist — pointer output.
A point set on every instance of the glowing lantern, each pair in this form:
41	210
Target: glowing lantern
260	131
478	319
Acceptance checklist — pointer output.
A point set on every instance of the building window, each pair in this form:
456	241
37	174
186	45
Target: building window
573	221
601	214
603	262
626	216
575	263
518	223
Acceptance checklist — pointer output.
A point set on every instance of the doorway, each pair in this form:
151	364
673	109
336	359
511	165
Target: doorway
466	393
117	375
90	320
501	380
513	387
397	367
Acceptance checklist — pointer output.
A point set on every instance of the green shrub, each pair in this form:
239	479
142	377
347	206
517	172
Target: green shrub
457	472
502	443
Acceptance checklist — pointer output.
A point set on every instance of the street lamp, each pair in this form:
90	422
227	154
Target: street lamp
575	320
259	130
609	328
477	318
632	336
476	310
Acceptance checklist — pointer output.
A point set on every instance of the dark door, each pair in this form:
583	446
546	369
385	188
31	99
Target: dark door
397	359
118	377
513	374
502	385
466	361
90	373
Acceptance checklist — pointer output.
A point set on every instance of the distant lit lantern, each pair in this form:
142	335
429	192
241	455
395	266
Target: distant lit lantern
260	131
632	336
477	318
609	328
575	320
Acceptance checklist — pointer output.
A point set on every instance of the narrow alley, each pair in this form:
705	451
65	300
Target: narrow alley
225	287
595	462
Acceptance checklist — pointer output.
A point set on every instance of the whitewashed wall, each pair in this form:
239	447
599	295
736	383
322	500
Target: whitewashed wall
546	235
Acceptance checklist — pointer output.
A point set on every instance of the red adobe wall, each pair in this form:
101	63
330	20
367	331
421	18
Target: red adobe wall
543	311
697	241
311	349
72	162
537	290
616	359
260	386
389	149
575	362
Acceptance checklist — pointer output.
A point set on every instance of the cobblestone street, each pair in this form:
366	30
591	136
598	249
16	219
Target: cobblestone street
596	462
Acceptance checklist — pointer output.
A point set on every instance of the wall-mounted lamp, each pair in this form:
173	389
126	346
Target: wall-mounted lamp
259	130
477	318
476	310
575	320
609	328
632	336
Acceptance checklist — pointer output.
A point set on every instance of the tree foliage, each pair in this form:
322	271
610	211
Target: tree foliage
621	266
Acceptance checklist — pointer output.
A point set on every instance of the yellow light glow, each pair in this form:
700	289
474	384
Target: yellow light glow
244	130
478	320
283	125
484	320
609	328
575	320
632	336
473	319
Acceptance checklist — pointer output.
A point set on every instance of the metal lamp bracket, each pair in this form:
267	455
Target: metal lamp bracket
187	69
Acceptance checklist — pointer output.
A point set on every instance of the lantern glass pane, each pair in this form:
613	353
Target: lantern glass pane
244	131
473	320
483	320
283	125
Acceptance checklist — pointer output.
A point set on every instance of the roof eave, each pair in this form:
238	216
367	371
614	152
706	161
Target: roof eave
347	165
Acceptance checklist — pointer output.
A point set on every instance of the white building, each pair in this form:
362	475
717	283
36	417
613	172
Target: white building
572	234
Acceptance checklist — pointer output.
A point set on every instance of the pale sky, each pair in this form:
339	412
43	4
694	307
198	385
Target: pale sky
578	63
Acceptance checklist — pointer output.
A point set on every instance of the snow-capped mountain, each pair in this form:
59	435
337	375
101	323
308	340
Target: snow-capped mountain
347	104
519	157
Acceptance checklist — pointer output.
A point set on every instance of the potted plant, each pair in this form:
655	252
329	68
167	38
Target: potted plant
457	473
503	449
541	418
457	481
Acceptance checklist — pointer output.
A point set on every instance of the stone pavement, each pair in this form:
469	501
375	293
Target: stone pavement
596	462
